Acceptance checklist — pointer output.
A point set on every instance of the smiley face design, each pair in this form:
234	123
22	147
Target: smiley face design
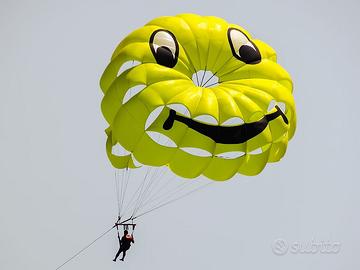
198	95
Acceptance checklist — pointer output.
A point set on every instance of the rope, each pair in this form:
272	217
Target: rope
84	248
117	192
176	192
91	243
121	189
146	192
210	79
123	193
137	201
157	179
173	200
167	195
133	197
162	187
132	219
202	79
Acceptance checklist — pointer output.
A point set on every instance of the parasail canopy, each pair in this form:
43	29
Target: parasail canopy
199	95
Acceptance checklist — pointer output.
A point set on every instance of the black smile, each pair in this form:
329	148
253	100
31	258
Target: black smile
226	135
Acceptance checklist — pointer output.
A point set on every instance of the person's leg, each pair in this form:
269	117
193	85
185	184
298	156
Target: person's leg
124	254
117	254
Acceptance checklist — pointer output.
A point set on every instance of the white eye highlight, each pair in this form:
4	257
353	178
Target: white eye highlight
164	47
163	38
242	48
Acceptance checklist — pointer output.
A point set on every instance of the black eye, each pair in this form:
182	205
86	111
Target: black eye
164	47
242	48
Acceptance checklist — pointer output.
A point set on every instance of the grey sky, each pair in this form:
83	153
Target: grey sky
57	189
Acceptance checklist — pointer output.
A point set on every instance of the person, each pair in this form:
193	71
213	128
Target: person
125	243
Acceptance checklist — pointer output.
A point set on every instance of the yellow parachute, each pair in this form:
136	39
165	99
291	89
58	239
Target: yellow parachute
198	95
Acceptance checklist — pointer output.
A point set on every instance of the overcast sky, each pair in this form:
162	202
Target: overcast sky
57	186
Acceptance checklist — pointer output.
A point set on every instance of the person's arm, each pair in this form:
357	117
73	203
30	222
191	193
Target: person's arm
119	239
